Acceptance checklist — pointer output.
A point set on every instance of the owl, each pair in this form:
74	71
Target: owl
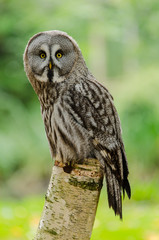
79	115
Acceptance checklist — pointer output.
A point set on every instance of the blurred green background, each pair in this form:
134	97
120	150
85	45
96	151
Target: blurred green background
120	42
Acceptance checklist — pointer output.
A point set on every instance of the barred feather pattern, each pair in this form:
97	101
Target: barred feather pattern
81	121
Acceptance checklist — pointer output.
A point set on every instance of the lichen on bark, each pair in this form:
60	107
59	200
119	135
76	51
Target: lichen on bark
71	202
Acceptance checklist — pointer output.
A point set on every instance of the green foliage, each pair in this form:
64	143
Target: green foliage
19	219
137	101
129	37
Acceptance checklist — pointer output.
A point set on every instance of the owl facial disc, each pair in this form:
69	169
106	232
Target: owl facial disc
51	56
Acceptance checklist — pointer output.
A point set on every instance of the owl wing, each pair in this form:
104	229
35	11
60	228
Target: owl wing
92	107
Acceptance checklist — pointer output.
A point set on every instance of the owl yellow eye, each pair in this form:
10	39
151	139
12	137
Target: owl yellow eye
42	55
59	55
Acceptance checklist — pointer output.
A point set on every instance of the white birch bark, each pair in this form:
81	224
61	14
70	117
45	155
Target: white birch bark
71	202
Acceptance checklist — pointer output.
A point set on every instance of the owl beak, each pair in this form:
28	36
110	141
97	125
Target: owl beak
50	65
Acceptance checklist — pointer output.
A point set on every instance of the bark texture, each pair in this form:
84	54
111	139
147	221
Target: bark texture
71	202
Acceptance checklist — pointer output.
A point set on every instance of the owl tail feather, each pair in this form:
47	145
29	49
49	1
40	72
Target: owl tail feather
114	191
126	187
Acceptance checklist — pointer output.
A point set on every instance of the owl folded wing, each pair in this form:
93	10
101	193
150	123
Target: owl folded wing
97	115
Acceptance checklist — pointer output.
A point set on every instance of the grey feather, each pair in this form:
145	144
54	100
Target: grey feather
78	112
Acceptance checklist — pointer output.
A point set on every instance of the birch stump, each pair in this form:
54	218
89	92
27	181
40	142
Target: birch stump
71	202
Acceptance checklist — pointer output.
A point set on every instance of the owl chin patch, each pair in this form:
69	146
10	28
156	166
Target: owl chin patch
43	77
50	75
57	77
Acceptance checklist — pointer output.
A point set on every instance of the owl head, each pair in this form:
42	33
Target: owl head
51	56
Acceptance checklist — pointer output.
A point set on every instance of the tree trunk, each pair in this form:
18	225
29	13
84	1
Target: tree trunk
71	202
